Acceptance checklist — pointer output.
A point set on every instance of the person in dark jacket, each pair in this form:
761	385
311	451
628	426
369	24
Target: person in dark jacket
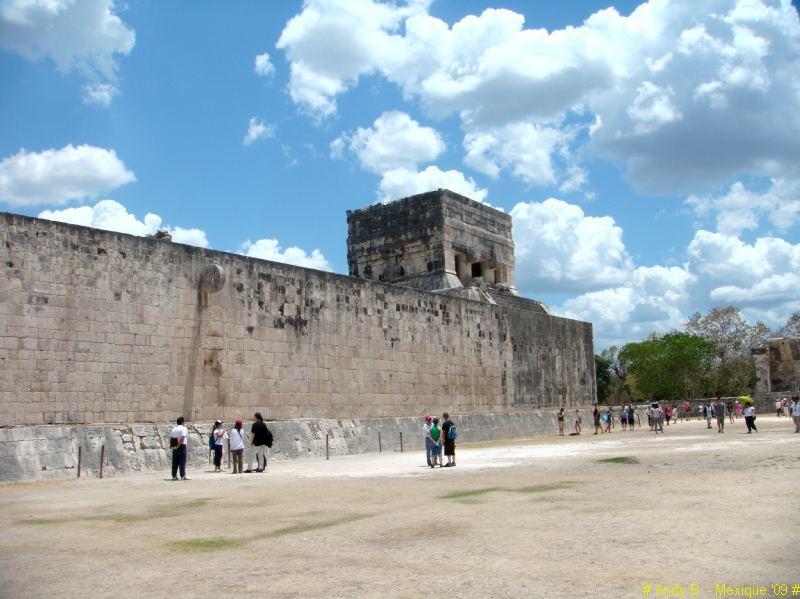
449	444
259	442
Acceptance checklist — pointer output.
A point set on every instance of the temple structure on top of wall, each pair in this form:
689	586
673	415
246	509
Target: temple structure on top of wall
438	241
103	327
777	365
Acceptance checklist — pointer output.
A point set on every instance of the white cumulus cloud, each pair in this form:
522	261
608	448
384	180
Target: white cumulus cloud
687	95
395	147
394	141
263	66
58	176
270	249
741	209
257	129
523	148
86	35
736	271
113	216
332	42
401	182
560	249
100	94
653	299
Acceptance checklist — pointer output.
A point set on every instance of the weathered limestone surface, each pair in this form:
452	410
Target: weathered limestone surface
101	327
431	241
778	365
51	452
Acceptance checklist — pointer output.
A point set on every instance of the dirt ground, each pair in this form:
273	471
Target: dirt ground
538	518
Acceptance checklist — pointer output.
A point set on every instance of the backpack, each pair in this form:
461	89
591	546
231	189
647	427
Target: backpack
269	438
452	433
211	440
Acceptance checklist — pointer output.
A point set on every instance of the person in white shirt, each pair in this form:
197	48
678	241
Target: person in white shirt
237	447
796	413
179	438
219	436
750	418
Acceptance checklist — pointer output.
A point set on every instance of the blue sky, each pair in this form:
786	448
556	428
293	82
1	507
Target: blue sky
648	153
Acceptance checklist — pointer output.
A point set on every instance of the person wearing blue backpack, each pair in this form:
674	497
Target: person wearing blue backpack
450	434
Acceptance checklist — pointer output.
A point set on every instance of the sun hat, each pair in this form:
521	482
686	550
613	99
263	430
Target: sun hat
239	421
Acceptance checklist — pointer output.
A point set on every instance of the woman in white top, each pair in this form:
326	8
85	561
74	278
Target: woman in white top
219	436
750	418
237	447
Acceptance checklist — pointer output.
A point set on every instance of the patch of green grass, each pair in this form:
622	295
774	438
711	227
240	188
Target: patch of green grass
309	526
206	544
219	543
39	521
303	527
541	488
471	493
622	459
160	511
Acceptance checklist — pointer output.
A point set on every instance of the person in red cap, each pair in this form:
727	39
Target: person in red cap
237	446
426	429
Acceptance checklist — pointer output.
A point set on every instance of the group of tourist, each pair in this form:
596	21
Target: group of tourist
787	406
260	442
792	406
442	436
603	421
658	414
436	437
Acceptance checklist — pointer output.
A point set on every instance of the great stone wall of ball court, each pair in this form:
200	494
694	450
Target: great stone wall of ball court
53	452
105	338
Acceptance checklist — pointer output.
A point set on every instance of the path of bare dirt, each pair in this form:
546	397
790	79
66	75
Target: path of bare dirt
538	518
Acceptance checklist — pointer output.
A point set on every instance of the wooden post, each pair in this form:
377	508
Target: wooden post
327	447
401	441
102	459
380	446
80	455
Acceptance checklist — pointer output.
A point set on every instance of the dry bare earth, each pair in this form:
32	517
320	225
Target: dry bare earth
536	518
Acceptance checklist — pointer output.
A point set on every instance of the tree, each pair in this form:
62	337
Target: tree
791	328
728	330
602	368
671	367
732	371
619	387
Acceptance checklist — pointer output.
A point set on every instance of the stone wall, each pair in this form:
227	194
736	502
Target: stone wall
51	452
101	327
430	241
778	365
398	241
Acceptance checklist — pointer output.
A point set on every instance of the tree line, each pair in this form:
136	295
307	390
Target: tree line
710	356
